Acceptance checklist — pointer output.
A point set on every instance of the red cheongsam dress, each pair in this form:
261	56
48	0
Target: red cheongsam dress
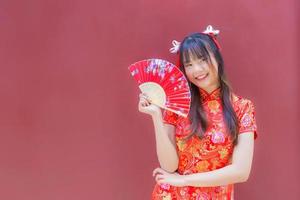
212	152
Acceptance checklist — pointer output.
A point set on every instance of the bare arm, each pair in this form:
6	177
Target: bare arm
164	136
238	171
165	144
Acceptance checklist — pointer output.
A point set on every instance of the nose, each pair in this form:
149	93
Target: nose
198	68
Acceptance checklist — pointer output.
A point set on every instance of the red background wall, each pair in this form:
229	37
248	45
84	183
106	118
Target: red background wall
69	123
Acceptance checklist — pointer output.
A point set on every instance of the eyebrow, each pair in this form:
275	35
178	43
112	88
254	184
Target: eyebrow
202	58
186	62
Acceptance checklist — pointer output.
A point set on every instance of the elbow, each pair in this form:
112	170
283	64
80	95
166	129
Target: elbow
243	176
170	167
241	173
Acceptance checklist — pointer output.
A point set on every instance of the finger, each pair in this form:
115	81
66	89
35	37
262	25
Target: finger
143	95
145	99
155	171
143	102
162	181
158	170
147	103
158	177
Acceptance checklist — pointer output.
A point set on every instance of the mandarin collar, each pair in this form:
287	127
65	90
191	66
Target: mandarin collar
214	95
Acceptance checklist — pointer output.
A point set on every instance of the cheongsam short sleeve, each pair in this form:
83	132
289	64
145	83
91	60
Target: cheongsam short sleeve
247	121
170	117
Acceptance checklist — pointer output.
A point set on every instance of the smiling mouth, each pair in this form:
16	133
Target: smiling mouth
201	77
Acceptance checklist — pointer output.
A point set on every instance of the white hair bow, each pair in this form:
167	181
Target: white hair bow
209	29
176	45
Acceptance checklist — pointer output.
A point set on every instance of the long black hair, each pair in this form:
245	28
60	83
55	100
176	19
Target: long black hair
201	45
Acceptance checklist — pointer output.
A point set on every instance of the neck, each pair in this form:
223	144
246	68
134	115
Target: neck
210	89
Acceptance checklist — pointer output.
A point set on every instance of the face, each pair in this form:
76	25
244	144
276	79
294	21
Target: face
203	73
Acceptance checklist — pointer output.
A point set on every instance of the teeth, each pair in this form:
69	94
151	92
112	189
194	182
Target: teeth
200	77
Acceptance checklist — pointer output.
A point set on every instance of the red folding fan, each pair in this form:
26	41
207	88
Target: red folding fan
164	84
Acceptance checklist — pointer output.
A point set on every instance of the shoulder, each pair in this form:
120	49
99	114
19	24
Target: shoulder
243	107
245	112
240	103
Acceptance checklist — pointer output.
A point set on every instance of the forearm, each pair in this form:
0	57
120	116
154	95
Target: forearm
236	172
223	176
165	145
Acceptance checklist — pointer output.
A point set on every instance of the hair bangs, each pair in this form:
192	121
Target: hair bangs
193	49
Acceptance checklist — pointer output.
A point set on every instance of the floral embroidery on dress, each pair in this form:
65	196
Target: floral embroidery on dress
202	196
214	106
212	152
218	137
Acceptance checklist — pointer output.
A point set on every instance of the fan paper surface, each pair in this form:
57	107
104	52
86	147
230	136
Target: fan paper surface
164	84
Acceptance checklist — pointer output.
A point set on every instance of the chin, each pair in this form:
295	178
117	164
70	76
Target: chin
203	86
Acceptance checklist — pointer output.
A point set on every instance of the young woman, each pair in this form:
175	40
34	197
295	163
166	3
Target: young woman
203	155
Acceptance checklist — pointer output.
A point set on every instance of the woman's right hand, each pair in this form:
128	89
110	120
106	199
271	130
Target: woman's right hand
145	105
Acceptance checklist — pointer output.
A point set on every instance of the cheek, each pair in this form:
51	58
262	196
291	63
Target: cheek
213	70
189	74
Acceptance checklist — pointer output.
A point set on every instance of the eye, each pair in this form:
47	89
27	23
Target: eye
188	65
202	60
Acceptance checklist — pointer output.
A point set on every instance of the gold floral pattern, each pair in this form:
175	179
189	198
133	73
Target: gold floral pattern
213	106
212	152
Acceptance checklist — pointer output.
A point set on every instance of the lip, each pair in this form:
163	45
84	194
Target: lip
201	77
